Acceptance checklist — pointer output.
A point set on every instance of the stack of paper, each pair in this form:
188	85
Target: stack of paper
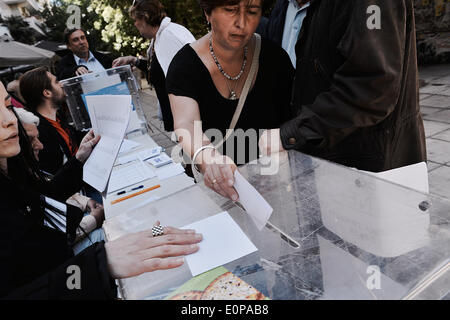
169	171
160	160
150	153
128	175
109	117
128	145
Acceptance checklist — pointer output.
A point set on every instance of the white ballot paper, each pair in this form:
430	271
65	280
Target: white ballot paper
129	174
223	242
128	145
252	201
169	171
109	116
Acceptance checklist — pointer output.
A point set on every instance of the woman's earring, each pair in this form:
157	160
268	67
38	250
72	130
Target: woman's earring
208	26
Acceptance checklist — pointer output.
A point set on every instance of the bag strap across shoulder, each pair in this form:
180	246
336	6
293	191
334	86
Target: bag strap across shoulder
245	90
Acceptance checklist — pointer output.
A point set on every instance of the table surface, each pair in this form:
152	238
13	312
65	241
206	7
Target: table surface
168	186
334	227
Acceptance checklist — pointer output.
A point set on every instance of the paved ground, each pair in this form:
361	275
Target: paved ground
435	107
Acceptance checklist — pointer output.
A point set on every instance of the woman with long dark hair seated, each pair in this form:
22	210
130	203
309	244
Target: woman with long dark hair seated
36	262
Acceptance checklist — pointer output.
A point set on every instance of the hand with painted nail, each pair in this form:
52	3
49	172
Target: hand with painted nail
218	172
141	252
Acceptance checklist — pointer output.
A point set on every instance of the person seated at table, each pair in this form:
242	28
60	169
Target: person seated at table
36	261
89	230
44	97
206	79
13	89
167	39
81	60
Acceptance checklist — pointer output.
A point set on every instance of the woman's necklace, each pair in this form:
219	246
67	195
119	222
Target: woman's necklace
233	95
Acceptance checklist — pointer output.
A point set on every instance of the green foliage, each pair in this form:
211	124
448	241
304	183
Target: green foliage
111	28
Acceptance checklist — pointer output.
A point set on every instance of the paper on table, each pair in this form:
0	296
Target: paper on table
223	242
109	117
169	171
126	159
253	202
150	153
128	145
127	175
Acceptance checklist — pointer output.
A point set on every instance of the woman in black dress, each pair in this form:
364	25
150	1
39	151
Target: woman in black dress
205	81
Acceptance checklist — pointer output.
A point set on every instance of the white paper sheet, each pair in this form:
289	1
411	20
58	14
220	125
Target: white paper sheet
160	161
109	117
135	123
414	176
169	171
223	242
128	145
128	175
253	202
150	153
126	159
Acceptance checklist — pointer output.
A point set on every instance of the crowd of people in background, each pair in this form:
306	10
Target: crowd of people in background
314	77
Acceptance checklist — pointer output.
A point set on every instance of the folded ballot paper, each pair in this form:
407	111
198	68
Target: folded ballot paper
109	115
252	201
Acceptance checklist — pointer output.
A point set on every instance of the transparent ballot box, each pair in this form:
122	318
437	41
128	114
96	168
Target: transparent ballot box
335	233
115	81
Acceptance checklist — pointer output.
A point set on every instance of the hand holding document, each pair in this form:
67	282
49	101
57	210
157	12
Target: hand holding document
109	117
252	201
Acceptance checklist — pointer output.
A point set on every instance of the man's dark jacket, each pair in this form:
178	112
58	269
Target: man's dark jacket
51	157
356	88
273	28
67	66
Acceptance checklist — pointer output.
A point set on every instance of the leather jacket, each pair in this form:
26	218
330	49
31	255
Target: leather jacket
356	88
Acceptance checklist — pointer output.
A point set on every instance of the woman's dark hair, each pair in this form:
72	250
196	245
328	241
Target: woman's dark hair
209	5
152	11
23	169
32	85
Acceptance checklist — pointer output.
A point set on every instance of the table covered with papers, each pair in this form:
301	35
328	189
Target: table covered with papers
334	233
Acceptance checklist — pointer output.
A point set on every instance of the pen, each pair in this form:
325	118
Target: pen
132	189
135	194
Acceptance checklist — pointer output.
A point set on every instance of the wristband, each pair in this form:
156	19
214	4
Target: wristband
196	153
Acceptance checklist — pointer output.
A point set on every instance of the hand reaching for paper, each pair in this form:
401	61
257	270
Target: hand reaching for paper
87	145
136	253
123	61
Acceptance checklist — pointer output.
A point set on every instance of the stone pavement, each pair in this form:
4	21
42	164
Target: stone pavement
435	107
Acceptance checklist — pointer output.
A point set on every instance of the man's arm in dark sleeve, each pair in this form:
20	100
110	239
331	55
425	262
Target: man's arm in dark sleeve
365	89
66	68
67	181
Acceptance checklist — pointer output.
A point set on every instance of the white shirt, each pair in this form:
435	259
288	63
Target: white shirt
92	63
170	38
293	23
